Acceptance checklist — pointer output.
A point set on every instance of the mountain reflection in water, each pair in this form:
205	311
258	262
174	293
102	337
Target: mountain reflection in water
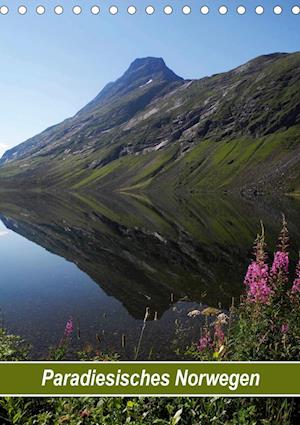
166	253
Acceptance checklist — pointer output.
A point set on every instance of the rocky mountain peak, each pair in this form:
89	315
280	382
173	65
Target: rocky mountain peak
148	62
150	67
141	72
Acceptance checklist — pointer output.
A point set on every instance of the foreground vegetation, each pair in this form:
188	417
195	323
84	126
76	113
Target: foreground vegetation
264	327
148	411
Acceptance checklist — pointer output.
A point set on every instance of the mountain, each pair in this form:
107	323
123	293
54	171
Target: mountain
152	130
140	73
145	80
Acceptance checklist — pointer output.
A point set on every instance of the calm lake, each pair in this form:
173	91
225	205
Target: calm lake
103	261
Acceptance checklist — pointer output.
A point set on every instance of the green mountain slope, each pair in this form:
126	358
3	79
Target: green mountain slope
152	130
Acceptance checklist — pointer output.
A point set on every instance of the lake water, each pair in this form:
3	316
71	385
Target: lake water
103	261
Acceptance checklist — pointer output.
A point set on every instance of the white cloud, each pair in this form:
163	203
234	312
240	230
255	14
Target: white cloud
3	232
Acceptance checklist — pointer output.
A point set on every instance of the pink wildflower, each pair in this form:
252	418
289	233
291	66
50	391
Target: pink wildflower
296	285
219	334
257	276
284	328
280	263
257	283
69	328
204	342
85	413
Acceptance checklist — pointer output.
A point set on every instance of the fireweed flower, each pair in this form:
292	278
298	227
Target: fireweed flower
296	284
280	263
284	328
257	276
280	267
219	334
204	342
69	328
85	413
257	283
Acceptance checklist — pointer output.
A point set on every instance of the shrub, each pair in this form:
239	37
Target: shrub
266	325
12	347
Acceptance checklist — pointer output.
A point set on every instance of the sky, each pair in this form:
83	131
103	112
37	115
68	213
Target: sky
51	66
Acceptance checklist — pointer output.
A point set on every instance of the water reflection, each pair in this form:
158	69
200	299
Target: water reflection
167	254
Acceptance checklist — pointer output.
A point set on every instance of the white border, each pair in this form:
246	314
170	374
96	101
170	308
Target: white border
80	9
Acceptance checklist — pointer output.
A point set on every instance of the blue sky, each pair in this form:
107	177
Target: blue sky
52	65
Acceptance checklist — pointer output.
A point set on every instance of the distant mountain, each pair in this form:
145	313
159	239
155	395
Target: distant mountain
140	73
152	130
